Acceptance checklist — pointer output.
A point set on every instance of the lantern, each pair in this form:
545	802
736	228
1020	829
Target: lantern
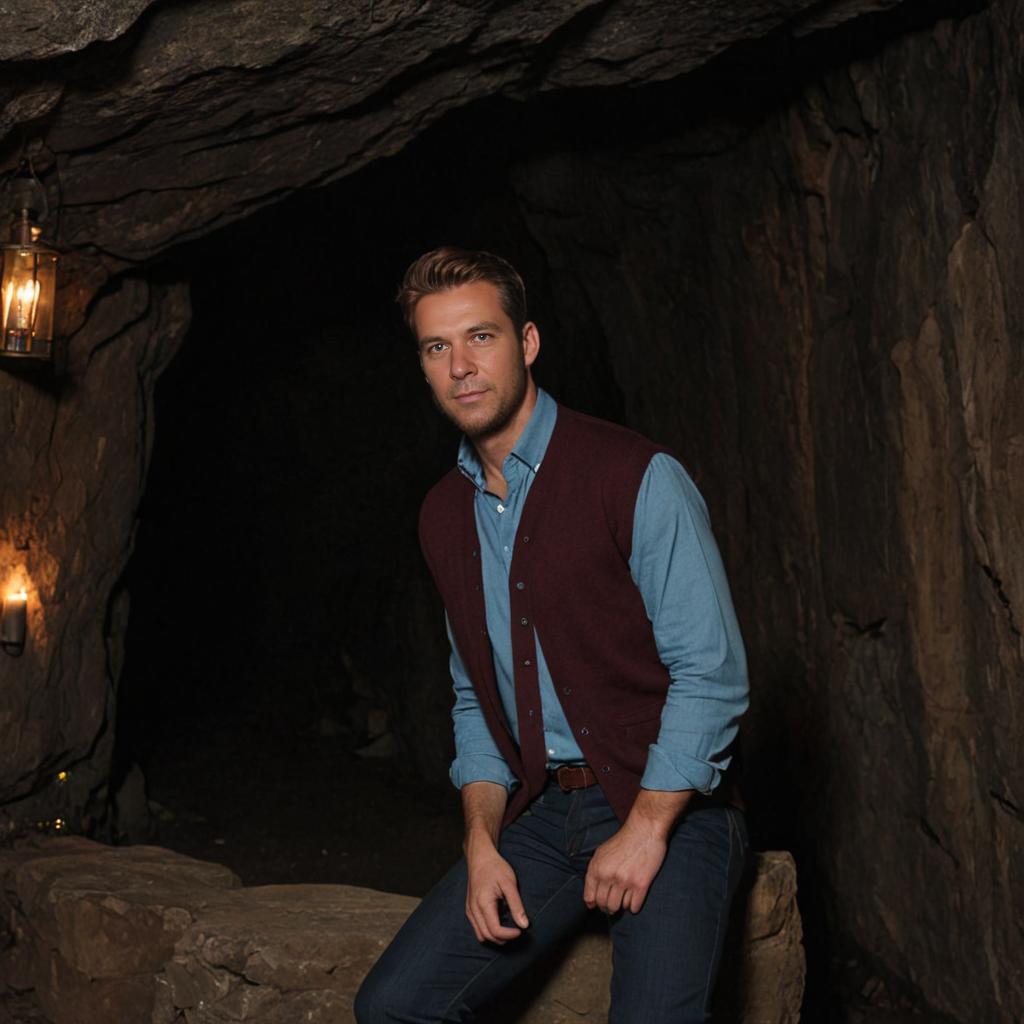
28	286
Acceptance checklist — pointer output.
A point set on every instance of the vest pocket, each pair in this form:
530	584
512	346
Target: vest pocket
639	729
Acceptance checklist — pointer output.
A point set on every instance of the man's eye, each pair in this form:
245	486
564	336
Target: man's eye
482	336
435	349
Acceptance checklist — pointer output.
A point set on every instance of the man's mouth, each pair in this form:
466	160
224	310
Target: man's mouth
469	396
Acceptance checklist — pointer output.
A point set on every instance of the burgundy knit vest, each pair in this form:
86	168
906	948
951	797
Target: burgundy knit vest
570	581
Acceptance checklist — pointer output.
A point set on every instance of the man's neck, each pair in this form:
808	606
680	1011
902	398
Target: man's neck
493	449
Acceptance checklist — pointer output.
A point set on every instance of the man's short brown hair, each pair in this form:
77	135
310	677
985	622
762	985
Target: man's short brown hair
443	269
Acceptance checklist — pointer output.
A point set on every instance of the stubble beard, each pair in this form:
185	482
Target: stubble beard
478	430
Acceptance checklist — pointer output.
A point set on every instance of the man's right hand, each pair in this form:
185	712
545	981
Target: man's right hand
491	878
491	882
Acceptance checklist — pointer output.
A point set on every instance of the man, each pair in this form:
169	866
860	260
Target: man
599	677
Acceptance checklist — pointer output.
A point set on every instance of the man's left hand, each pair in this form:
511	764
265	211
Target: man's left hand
621	871
623	868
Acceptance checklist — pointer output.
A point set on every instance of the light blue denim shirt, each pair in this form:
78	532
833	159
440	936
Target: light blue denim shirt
677	568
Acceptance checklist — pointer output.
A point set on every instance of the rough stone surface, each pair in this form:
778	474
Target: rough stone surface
88	926
49	28
65	535
140	934
270	98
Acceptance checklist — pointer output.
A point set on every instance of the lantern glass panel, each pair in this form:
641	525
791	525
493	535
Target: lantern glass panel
27	293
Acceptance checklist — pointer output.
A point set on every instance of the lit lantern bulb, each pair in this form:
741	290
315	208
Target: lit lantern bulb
20	305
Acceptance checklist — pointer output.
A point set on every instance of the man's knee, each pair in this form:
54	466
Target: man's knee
372	1004
380	1001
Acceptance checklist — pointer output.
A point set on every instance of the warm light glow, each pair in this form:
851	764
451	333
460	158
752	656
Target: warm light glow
27	297
58	824
62	776
20	305
20	595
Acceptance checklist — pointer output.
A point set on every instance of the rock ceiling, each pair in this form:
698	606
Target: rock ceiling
154	123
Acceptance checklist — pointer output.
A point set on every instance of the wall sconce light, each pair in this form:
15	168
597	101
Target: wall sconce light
28	285
14	623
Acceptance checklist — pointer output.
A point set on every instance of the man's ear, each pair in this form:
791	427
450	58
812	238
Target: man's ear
531	343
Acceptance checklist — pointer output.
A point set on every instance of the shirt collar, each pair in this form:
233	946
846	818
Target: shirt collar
529	448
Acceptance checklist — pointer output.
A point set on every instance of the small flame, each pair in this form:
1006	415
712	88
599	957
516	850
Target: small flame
20	595
20	303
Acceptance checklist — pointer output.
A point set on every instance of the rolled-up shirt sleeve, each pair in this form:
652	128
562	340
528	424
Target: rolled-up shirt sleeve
477	758
677	567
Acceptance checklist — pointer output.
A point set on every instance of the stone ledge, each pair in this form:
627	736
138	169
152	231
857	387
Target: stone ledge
140	934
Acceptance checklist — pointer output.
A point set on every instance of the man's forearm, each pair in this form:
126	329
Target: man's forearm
656	811
483	807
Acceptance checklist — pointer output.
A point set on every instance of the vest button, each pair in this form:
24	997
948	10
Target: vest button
584	731
524	621
520	585
605	768
473	552
527	663
567	690
526	540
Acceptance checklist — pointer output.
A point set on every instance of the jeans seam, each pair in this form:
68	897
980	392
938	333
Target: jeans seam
458	995
718	919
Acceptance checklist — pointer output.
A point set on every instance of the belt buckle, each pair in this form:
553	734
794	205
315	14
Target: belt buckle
564	774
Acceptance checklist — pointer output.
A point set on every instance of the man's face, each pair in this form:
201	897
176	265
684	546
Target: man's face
474	363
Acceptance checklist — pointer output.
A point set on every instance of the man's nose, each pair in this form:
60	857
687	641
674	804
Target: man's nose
461	364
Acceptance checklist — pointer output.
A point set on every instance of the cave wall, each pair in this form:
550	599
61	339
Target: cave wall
822	313
67	516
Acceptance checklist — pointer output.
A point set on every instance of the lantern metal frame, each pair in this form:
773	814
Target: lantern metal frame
28	277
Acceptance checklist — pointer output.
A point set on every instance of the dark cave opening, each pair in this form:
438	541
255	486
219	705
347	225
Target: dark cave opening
281	614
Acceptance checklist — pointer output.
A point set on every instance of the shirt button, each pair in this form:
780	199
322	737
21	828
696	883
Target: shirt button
524	621
520	585
501	508
551	751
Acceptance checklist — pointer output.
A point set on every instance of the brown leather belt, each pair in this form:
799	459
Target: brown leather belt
573	776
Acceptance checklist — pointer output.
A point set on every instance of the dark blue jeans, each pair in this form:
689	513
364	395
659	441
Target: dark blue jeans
664	958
